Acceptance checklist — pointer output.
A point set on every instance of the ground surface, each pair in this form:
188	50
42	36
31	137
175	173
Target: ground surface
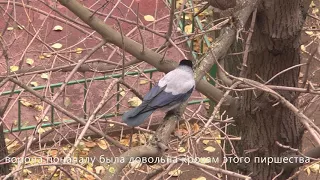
73	97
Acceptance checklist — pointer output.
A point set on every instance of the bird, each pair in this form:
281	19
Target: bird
172	90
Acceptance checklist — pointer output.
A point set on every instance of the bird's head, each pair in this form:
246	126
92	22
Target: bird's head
186	62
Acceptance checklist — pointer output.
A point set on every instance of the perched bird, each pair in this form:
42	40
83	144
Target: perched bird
171	91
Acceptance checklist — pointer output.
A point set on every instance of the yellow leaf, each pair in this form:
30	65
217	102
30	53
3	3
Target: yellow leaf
312	5
188	29
309	33
199	178
112	170
57	46
79	50
124	142
122	93
111	125
46	118
181	150
47	55
100	170
308	171
196	10
66	102
41	130
41	57
34	84
149	18
315	168
210	149
90	144
186	17
10	28
89	167
216	134
47	128
44	76
205	141
38	107
26	102
37	118
134	102
179	3
13	145
26	172
103	144
143	81
204	160
14	68
175	173
315	10
58	28
81	145
29	61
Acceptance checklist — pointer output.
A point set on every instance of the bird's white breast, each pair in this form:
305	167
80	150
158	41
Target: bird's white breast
178	81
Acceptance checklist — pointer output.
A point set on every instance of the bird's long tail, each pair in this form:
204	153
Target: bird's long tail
134	118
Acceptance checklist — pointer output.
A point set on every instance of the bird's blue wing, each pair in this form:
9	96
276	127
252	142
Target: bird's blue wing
158	98
155	91
143	107
167	99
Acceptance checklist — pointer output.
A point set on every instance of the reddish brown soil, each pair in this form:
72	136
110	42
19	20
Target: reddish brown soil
70	36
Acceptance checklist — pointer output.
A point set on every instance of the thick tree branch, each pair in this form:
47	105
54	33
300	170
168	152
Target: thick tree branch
162	136
134	48
313	153
155	148
222	4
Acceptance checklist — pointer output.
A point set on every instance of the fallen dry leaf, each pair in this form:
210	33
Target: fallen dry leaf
14	68
29	61
175	172
58	28
210	149
57	46
149	18
134	102
103	144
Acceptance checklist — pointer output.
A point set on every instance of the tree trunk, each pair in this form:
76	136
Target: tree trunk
274	47
4	168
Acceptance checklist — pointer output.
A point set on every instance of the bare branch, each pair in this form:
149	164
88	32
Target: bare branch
82	122
133	47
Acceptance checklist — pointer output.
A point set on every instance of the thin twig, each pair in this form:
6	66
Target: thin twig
246	51
56	106
306	73
137	21
170	27
93	115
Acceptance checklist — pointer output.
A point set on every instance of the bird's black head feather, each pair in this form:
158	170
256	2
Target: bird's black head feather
186	63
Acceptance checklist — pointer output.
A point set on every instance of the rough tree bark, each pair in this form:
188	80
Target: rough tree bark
5	168
274	47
